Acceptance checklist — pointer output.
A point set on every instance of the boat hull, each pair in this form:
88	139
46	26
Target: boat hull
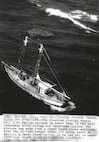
26	85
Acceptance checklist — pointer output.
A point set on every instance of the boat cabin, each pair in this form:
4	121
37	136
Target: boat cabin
43	87
23	76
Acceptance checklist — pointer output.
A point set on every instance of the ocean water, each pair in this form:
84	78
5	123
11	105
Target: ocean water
69	30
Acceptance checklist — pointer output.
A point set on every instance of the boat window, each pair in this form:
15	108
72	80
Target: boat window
50	92
23	76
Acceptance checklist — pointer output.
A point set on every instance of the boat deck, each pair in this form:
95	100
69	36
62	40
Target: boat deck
24	81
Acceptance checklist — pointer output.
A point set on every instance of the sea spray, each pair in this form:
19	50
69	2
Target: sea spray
57	12
84	16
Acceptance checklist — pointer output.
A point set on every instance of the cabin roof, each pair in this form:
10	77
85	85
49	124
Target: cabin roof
44	85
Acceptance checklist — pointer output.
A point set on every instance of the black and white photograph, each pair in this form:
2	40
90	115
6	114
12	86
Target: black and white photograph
49	70
49	57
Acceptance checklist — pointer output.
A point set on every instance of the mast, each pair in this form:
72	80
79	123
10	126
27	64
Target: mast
21	59
39	59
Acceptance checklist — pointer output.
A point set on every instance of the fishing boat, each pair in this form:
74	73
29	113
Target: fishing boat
35	85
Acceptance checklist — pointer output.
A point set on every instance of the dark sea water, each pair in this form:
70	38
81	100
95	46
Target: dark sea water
73	49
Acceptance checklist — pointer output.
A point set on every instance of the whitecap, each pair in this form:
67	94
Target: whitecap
73	16
71	106
40	32
36	2
83	15
59	13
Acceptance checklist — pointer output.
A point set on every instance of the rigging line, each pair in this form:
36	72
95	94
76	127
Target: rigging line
46	54
53	73
50	62
14	51
52	65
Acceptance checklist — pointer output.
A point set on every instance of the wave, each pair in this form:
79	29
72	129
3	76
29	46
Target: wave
59	13
36	2
73	16
40	32
69	108
82	15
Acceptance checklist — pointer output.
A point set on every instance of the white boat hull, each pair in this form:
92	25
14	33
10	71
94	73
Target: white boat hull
28	87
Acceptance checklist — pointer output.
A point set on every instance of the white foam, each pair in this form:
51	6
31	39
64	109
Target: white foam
36	2
78	14
59	13
94	18
70	107
72	16
38	5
